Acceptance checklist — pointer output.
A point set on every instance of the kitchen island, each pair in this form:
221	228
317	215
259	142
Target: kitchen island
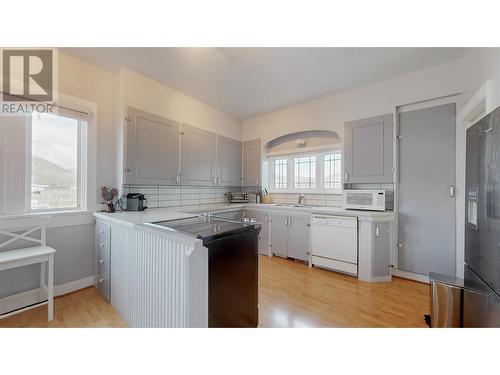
156	277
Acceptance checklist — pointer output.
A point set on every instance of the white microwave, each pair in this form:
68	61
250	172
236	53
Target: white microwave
373	200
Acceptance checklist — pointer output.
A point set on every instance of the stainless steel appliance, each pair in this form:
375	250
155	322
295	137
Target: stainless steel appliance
481	304
373	200
232	267
237	197
446	301
136	202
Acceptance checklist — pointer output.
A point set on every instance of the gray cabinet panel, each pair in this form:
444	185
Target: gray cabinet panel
381	249
426	211
151	149
279	234
368	150
197	156
298	237
103	259
228	161
251	163
263	219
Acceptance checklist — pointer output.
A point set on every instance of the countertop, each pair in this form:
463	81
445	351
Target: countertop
133	218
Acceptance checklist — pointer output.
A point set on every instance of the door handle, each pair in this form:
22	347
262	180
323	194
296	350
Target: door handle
377	232
346	176
452	190
178	179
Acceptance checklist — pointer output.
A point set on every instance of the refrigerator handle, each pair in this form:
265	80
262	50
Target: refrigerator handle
452	190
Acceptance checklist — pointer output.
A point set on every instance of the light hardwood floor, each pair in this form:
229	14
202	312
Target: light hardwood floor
291	295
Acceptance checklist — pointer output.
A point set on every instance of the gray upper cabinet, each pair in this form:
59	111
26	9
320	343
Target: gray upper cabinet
368	150
151	149
228	161
198	165
251	163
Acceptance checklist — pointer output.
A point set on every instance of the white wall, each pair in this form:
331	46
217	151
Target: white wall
89	82
330	112
151	96
477	66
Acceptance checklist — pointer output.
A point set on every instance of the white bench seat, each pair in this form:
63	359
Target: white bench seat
23	254
15	229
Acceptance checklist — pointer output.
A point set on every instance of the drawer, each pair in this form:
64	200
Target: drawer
103	233
103	285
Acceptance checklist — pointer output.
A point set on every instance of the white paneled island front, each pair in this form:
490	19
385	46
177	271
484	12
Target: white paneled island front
157	278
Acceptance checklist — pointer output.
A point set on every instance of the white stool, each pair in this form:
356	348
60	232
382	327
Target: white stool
29	255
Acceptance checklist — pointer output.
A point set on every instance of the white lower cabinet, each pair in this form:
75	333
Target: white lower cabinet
290	236
262	218
298	237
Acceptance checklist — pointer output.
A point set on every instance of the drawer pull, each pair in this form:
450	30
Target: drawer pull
101	261
101	245
101	281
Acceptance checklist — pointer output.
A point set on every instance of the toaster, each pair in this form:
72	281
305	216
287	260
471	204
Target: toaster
237	197
136	202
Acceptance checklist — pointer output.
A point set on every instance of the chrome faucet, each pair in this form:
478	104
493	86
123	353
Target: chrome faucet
301	197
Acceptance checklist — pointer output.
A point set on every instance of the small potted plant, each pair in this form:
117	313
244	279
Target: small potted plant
109	195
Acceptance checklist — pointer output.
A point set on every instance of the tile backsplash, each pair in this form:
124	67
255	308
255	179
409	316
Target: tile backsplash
171	196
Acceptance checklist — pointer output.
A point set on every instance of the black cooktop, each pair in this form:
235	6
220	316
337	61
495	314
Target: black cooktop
206	227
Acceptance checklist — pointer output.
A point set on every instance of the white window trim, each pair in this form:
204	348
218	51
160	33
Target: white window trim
320	162
87	155
81	178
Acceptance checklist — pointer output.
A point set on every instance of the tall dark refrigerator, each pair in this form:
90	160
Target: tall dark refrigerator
481	300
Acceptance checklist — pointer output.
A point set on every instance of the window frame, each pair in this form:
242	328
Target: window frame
82	162
320	177
273	162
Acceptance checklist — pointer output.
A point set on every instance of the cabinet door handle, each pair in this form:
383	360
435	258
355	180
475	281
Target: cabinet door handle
101	261
347	176
219	180
100	281
257	181
289	221
266	219
452	191
178	179
377	232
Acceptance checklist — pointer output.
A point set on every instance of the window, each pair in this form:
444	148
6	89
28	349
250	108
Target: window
304	172
319	173
56	168
280	174
332	170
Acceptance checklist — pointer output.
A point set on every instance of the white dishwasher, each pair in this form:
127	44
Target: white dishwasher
334	243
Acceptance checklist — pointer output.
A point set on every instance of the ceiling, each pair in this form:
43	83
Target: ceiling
250	81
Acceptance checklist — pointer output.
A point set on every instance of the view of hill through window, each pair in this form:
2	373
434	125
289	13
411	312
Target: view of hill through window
54	162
